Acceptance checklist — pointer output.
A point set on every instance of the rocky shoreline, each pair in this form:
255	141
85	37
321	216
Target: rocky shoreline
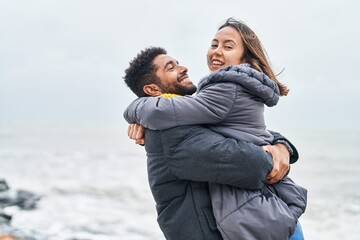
22	199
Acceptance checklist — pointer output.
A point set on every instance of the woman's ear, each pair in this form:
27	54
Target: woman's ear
152	90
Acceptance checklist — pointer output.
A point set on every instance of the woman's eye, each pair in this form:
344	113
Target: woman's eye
228	47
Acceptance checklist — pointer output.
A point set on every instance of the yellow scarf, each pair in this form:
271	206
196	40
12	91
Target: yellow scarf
169	95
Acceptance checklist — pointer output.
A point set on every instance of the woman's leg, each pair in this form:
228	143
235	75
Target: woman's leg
298	234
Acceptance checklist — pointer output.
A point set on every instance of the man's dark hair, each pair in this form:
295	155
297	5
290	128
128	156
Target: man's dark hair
142	71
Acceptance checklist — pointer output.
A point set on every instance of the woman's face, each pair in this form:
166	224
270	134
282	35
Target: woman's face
226	49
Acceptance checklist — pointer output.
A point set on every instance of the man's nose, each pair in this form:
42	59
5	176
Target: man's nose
183	69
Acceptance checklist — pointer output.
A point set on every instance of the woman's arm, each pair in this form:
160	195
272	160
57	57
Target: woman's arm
209	106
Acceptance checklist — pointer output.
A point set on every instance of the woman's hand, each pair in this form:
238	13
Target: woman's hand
281	160
137	132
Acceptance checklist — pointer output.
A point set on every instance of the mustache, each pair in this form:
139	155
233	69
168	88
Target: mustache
181	76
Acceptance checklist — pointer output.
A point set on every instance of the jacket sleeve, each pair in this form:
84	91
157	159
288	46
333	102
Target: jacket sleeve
209	106
199	154
295	156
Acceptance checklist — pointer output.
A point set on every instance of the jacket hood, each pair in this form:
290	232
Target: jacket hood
257	83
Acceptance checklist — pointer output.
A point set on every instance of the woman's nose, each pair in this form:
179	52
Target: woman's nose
217	51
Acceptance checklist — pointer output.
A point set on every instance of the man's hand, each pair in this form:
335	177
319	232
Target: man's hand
137	133
281	160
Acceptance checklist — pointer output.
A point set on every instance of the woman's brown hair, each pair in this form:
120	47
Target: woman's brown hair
254	51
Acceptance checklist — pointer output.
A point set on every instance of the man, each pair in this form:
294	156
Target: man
182	160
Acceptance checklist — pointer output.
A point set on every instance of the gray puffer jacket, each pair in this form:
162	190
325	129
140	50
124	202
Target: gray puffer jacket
231	101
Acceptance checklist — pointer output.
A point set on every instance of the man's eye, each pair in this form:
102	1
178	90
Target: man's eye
214	45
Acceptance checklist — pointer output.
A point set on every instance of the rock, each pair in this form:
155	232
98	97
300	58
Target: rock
4	217
21	198
3	185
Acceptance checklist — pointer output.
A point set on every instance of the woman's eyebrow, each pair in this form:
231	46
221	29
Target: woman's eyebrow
229	41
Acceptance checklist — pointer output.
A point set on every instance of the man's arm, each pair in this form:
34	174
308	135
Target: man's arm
283	153
280	154
295	155
199	154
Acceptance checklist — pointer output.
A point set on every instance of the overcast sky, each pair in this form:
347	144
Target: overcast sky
62	62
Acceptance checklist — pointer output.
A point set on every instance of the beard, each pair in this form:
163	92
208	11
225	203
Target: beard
179	89
185	90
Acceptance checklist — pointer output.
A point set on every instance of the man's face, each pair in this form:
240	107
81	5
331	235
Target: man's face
173	77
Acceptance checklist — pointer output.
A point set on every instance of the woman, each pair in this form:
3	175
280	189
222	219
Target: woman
231	100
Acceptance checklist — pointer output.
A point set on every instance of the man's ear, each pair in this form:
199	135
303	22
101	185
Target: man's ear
152	90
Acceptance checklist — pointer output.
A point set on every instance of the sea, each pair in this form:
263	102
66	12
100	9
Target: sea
93	183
